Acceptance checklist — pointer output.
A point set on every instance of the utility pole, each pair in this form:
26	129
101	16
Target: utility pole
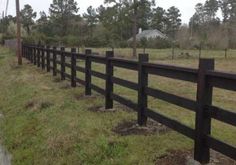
18	51
7	7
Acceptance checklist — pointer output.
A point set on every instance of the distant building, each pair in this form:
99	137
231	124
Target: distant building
149	34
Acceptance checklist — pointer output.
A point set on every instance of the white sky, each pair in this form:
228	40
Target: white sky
186	6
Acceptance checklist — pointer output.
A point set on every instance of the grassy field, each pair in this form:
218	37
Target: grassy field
165	54
47	122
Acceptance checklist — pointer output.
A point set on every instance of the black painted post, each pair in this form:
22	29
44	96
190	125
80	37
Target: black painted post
109	84
38	55
88	79
225	53
73	67
203	120
142	84
48	59
63	67
35	58
22	50
31	54
54	64
27	53
43	57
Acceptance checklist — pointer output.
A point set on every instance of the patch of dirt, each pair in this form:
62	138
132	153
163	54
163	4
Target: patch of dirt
35	105
173	157
100	109
46	88
57	80
45	105
178	157
14	65
30	104
82	96
123	108
65	86
126	128
1	116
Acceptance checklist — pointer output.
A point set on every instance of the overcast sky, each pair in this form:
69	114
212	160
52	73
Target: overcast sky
186	6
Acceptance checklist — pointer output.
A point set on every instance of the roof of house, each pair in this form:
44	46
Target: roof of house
149	34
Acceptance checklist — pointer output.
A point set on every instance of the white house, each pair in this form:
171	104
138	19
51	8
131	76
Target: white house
149	34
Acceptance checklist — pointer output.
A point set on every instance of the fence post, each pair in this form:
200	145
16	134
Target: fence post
73	67
31	54
225	53
54	64
63	67
88	64
27	53
142	83
43	57
35	59
22	49
109	84
203	120
48	59
38	55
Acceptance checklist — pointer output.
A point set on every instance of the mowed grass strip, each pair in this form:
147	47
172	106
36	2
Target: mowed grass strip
47	122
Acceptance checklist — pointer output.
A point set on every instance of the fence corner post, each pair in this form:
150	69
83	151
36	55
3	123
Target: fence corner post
63	67
203	120
109	83
142	84
73	67
88	68
54	57
48	59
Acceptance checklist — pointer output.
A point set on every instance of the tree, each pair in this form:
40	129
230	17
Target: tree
173	24
138	13
228	8
4	23
91	18
158	20
60	13
43	24
211	7
225	8
12	30
173	21
27	16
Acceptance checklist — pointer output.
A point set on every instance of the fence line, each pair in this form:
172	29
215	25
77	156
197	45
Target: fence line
205	77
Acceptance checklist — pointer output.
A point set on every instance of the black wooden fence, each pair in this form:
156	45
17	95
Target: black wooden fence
205	77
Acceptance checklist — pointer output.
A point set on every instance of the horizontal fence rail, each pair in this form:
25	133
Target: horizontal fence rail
205	77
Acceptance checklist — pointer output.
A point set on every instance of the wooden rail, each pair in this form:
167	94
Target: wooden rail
205	77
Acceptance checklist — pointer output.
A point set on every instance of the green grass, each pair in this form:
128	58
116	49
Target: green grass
165	54
44	122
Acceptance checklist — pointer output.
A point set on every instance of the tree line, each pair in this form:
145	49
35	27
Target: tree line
116	21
